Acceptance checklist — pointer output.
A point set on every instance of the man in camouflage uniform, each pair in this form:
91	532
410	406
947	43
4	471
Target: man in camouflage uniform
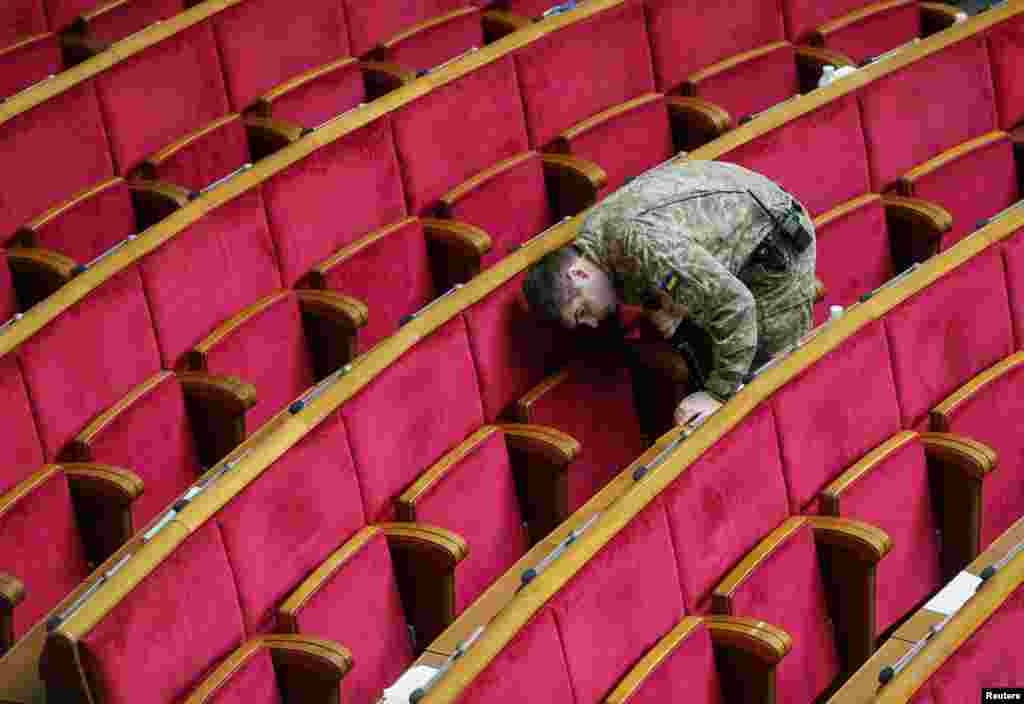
694	240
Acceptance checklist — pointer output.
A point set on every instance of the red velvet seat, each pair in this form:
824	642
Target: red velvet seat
318	95
8	300
86	359
944	335
112	21
177	84
23	18
959	146
1006	49
857	29
589	98
31	142
22	454
28	61
1013	260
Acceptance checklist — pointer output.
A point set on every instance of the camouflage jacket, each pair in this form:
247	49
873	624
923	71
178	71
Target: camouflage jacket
668	239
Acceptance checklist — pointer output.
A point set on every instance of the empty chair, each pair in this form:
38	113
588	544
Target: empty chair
28	61
54	526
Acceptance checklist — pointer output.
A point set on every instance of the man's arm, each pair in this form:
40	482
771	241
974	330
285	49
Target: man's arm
685	274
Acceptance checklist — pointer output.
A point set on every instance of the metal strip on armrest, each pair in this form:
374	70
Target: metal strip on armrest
11	321
467	52
31	87
114	248
54	621
530	574
460	650
223	179
1000	215
990	571
642	471
558	9
891	282
340	115
889	54
543	233
412	316
889	671
318	389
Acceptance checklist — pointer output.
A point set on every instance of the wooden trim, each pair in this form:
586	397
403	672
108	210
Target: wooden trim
975	459
449	199
26	486
263	103
721	597
382	77
869	543
941	413
463	236
652	660
557	447
763	640
696	121
500	23
605	116
844	209
196	357
103	9
229	392
919	213
522	408
24	42
428	24
858	15
936	163
80	447
735	60
171	149
832	494
322	270
449	542
572	183
346	310
71	202
406	501
823	56
94	478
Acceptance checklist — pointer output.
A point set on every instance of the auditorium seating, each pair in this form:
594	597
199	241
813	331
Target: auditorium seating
28	61
8	299
1004	49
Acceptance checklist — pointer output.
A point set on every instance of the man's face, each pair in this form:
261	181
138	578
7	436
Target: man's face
594	300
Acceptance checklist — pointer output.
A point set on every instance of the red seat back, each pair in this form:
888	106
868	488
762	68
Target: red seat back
22	454
131	17
92	225
1013	259
890	25
1006	51
29	62
22	18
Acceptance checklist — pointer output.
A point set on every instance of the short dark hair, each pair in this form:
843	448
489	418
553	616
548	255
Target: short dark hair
546	287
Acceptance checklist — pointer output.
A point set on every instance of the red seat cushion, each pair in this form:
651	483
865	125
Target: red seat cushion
1006	51
269	350
942	336
890	26
30	63
724	503
41	546
188	606
1013	257
302	200
22	453
265	43
208	272
717	31
87	358
91	226
212	156
359	607
440	42
430	399
287	521
476	499
692	662
253	682
753	85
438	153
821	435
619	604
371	24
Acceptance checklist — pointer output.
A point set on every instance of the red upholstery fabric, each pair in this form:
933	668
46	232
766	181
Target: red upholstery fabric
477	499
853	257
22	18
723	504
804	16
302	201
714	32
253	682
1006	51
594	405
513	349
371	24
619	604
317	101
973	187
40	545
902	130
566	76
526	8
177	623
430	401
265	43
755	84
91	355
269	349
838	171
290	519
61	13
511	206
177	84
132	17
877	33
944	335
66	129
437	44
984	417
895	496
208	272
692	663
924	695
153	438
834	412
1013	259
29	64
212	156
92	226
359	607
627	144
531	667
786	590
8	300
402	253
22	453
989	658
438	153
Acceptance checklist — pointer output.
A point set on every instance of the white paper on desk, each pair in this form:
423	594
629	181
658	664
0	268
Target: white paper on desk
954	595
399	692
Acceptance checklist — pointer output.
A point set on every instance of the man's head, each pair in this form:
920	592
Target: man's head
566	287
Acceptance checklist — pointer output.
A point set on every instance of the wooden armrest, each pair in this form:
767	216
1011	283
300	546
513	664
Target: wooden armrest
572	183
228	393
146	171
424	558
540	457
696	121
217	406
195	359
863	541
455	249
331	323
78	47
449	199
563	140
523	404
500	23
906	182
652	660
38	272
820	35
155	200
811	60
937	16
766	642
103	496
12	593
122	486
318	275
420	27
915	228
965	456
383	77
268	134
263	105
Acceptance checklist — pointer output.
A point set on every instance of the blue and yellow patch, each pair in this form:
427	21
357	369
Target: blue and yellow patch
668	285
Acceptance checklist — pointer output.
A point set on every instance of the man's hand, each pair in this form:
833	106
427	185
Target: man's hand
695	409
664	322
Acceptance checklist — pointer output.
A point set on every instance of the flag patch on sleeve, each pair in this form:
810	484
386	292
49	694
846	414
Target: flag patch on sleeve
670	282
